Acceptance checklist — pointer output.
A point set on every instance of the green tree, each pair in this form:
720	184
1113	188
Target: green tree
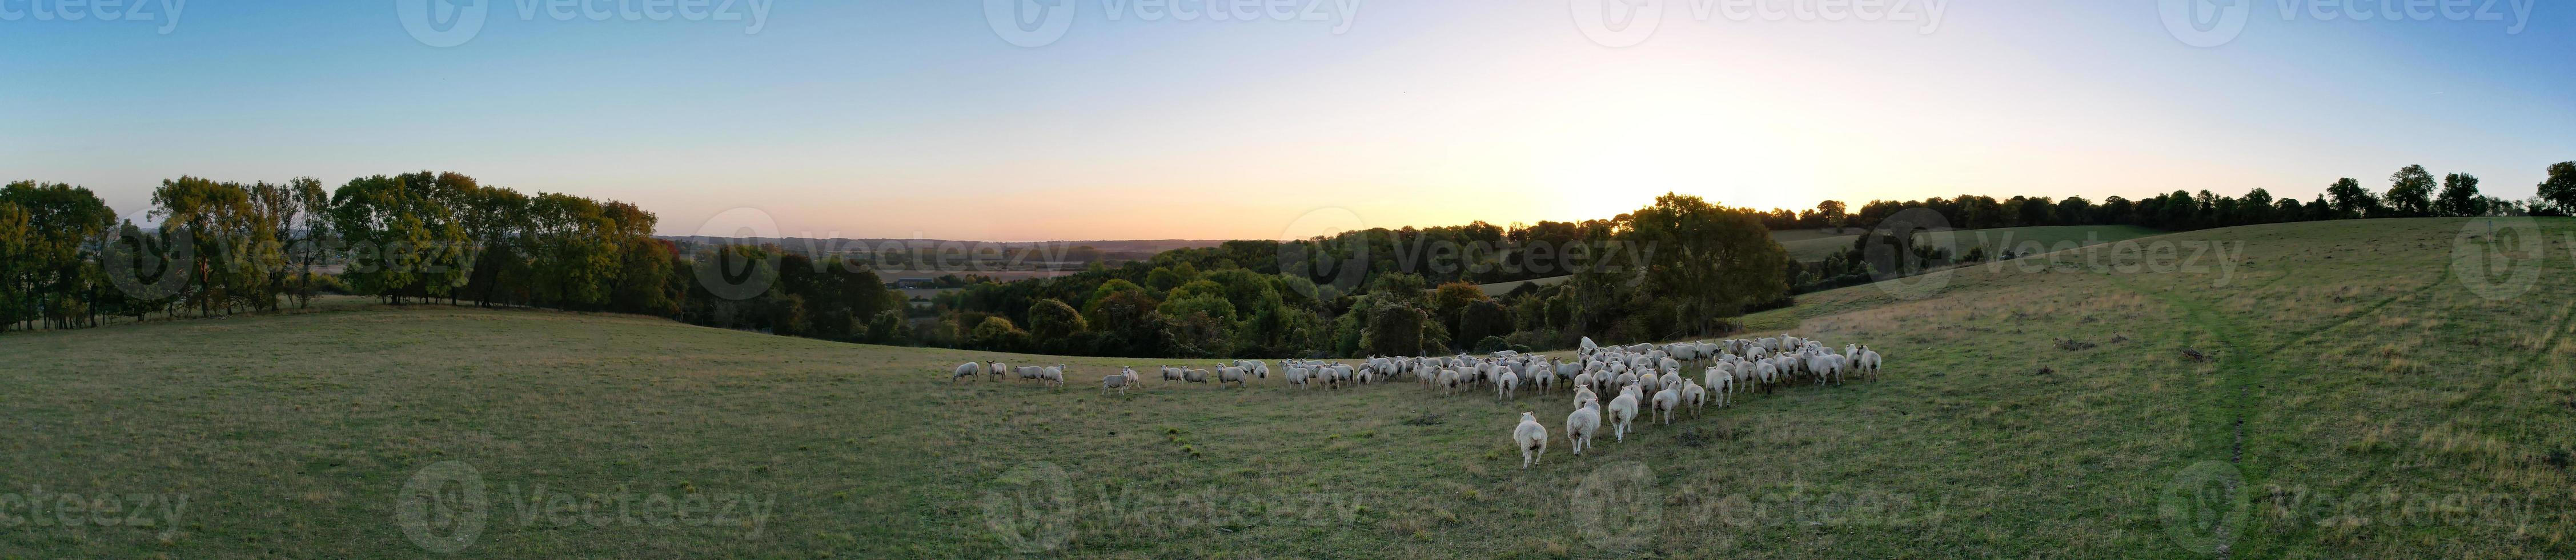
1395	329
2352	201
225	227
2560	188
1710	261
1450	300
1833	213
1052	322
2255	208
313	235
2410	192
2460	196
400	243
1481	319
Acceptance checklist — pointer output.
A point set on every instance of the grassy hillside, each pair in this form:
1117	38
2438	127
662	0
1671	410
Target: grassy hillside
2356	378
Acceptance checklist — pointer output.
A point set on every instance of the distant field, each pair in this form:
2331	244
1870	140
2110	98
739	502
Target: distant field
2357	377
1814	245
1500	288
996	274
1806	245
1788	235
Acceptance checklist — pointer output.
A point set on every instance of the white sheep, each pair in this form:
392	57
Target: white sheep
1054	375
1696	397
1171	374
1230	374
1194	375
1297	376
1033	372
1665	401
994	371
1582	393
1504	386
1114	381
1132	379
1531	438
1579	426
965	370
1623	409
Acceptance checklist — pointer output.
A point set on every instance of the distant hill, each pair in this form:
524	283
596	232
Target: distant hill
1146	246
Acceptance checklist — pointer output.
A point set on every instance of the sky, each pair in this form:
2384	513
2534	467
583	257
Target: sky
944	119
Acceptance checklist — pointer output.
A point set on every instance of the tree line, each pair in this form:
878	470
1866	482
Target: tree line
2412	192
1678	266
213	248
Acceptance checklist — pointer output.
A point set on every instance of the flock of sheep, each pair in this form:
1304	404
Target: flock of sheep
1643	376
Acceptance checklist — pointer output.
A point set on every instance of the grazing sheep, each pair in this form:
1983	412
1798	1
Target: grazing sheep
965	370
1718	382
1579	426
1623	409
1696	397
1531	438
1665	401
1194	375
1503	386
1033	372
1297	376
1171	374
1114	381
1229	374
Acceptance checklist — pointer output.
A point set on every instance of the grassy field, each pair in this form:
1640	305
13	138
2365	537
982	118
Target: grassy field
1500	288
1806	245
2365	398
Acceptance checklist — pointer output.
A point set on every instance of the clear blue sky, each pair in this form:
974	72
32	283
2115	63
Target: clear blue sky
916	118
